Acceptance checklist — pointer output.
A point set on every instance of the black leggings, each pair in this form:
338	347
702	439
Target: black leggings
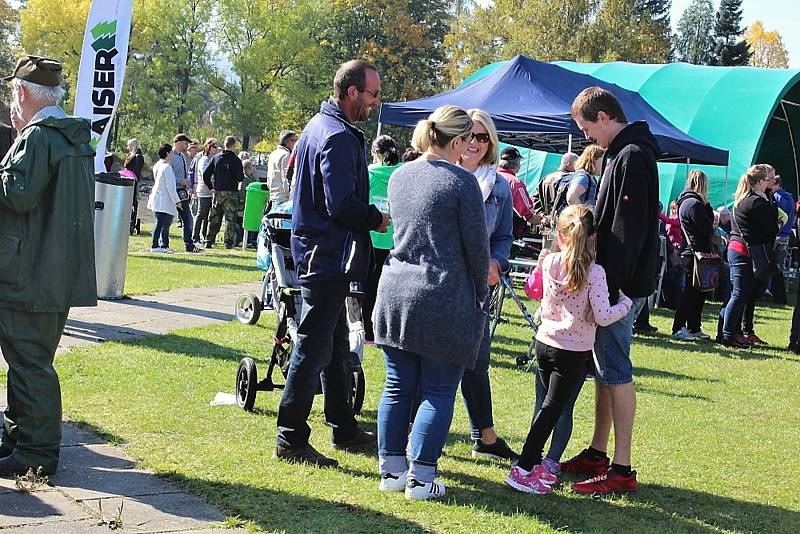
561	371
689	312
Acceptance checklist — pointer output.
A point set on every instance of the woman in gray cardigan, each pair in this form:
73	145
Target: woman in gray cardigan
428	317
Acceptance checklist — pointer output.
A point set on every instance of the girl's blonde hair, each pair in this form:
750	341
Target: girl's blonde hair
587	159
697	181
748	182
441	127
133	146
492	154
576	227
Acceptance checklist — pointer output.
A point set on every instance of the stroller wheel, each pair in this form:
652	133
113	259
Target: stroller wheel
246	384
248	309
355	387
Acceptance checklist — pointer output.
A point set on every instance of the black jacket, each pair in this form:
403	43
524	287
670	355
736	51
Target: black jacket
224	172
136	164
7	136
697	222
626	214
755	221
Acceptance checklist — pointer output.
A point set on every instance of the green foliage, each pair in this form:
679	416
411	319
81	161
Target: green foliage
623	31
272	79
730	49
694	42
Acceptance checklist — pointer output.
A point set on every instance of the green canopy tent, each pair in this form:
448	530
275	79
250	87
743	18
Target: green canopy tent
751	112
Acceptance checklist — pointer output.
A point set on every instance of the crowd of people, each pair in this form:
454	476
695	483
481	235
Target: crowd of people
427	233
213	177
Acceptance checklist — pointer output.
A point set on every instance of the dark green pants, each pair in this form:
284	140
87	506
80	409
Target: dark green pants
32	420
225	203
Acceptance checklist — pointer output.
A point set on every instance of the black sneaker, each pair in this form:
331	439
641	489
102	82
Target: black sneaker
362	440
736	343
499	451
645	329
304	455
194	250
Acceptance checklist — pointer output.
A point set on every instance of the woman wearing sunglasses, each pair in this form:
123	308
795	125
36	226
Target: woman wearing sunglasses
480	158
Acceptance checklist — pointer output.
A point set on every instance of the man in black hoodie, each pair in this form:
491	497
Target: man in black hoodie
626	222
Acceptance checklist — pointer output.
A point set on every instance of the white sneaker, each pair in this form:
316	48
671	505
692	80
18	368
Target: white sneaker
394	481
700	335
683	335
157	250
421	491
168	251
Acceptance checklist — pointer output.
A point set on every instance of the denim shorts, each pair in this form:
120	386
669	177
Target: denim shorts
612	348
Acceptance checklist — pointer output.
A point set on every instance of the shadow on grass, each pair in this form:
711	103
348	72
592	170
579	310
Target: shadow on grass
710	348
194	260
201	348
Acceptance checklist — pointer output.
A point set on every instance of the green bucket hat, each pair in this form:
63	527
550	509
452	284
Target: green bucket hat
38	70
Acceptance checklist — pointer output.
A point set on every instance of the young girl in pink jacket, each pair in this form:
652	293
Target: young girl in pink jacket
575	301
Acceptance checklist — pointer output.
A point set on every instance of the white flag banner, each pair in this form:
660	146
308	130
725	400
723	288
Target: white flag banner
102	70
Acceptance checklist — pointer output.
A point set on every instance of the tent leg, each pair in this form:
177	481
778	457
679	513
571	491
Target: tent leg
794	150
378	133
569	144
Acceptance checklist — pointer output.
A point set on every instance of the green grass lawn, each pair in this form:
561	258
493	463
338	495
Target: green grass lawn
715	441
149	273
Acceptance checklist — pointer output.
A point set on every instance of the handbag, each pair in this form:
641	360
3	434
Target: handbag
183	194
705	271
760	255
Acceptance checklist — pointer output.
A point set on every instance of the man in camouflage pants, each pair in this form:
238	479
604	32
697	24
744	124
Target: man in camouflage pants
222	176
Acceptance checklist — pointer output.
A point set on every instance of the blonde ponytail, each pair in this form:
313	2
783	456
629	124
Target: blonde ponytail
441	127
576	226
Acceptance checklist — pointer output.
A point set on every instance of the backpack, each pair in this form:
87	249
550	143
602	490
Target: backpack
561	189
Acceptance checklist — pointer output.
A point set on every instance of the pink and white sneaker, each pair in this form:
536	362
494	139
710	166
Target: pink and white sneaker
544	475
526	482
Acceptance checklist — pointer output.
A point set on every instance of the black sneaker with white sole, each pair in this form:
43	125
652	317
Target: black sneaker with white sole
498	451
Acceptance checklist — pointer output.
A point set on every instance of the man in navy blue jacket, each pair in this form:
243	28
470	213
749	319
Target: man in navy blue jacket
331	247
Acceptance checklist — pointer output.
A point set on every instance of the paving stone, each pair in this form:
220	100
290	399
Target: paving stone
100	483
93	456
72	436
19	509
161	513
87	526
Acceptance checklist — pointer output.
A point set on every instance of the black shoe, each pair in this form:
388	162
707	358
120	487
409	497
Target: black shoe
194	250
229	247
10	467
362	440
737	343
499	451
645	329
304	455
794	346
209	245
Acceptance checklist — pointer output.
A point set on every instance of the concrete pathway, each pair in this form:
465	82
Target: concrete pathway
94	479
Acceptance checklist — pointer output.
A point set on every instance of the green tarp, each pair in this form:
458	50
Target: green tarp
753	113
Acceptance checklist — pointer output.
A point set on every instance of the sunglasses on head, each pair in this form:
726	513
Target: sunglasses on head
482	138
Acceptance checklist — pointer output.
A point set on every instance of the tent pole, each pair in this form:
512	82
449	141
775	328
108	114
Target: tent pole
687	168
569	145
794	150
727	167
378	133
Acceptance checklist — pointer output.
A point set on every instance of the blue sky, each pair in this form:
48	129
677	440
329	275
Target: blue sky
781	15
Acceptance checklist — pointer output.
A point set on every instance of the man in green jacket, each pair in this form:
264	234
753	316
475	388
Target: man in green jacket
46	258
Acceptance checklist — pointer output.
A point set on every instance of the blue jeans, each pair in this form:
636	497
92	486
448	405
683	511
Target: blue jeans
435	381
476	389
185	215
562	431
742	286
161	230
612	348
323	347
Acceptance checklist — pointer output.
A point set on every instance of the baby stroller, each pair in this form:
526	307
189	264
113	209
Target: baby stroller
281	287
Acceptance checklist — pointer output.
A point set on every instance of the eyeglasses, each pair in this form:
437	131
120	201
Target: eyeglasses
376	94
482	138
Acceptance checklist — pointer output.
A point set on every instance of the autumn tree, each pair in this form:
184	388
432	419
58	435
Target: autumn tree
730	49
8	29
694	42
55	28
767	47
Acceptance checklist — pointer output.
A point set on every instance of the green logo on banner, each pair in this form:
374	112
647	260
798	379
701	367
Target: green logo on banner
104	96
